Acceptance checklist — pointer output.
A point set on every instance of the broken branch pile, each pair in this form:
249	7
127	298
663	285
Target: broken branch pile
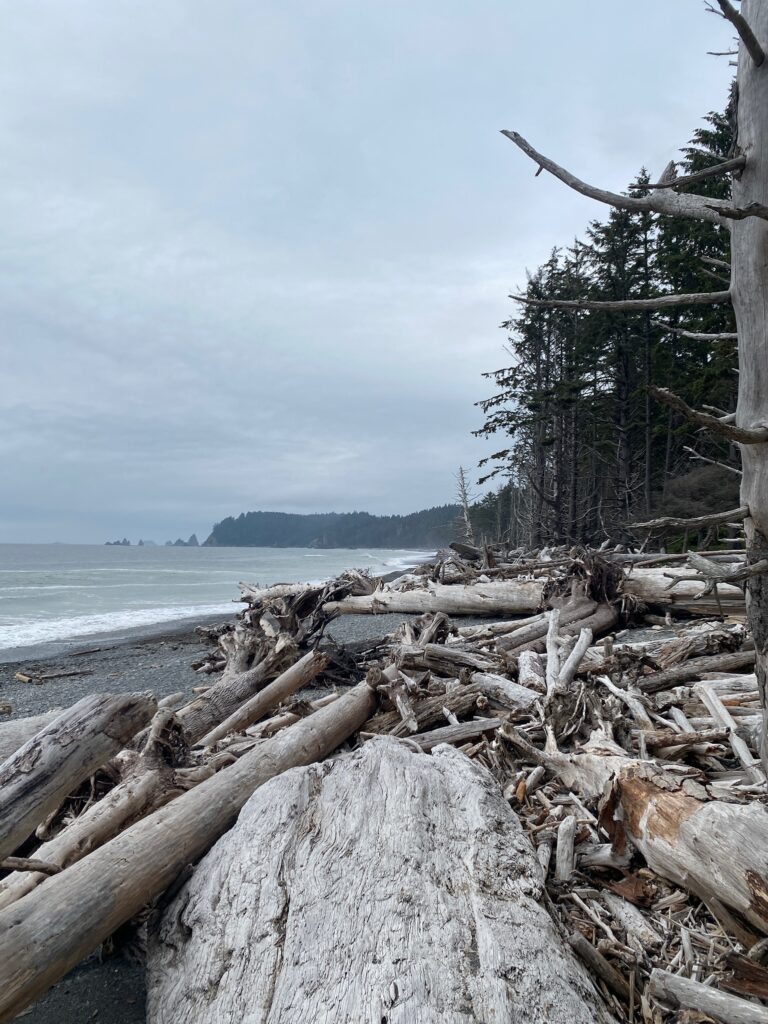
605	726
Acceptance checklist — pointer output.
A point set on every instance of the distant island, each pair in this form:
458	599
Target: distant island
193	542
430	529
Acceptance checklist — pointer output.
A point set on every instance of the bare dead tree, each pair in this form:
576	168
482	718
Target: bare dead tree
745	215
464	502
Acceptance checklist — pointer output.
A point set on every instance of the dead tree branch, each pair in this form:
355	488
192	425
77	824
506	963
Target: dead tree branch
736	164
713	462
673	522
740	435
630	305
677	204
742	26
696	335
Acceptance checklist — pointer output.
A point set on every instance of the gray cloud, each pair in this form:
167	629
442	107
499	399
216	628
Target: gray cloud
255	255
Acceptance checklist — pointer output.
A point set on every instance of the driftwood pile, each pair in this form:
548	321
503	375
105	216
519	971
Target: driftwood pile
588	841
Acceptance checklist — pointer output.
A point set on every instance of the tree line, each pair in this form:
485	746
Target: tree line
585	447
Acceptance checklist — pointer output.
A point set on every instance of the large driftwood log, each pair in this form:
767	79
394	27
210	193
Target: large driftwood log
694	668
652	586
35	779
715	849
14	734
520	597
51	929
687	994
511	597
420	902
150	779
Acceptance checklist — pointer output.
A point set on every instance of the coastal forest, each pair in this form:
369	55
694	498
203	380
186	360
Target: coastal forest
582	441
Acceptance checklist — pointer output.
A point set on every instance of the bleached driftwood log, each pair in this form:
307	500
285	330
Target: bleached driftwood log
504	692
709	847
520	597
37	777
14	734
686	994
652	586
150	779
418	903
512	597
65	918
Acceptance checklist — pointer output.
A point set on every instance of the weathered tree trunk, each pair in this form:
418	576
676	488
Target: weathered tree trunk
511	597
420	902
35	779
51	929
652	587
287	683
715	849
520	597
14	734
749	293
230	692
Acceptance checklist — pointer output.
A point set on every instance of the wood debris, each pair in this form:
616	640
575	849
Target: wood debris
626	750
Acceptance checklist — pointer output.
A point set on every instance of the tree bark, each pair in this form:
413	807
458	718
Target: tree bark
51	929
303	894
749	289
35	780
298	675
229	693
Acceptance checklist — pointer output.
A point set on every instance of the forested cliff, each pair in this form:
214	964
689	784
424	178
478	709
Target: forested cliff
426	530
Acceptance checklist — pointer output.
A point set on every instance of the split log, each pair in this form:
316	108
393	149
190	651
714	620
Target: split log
35	779
53	928
458	733
286	684
715	849
304	891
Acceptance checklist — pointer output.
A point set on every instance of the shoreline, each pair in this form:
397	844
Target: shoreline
154	657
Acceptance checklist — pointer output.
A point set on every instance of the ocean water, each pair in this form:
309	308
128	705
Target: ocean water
54	592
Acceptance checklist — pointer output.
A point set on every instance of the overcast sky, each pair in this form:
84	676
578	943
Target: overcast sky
254	254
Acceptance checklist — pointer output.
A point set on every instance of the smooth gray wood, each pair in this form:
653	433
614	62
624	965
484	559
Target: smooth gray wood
14	734
385	885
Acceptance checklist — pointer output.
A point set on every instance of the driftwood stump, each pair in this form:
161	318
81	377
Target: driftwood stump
386	885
